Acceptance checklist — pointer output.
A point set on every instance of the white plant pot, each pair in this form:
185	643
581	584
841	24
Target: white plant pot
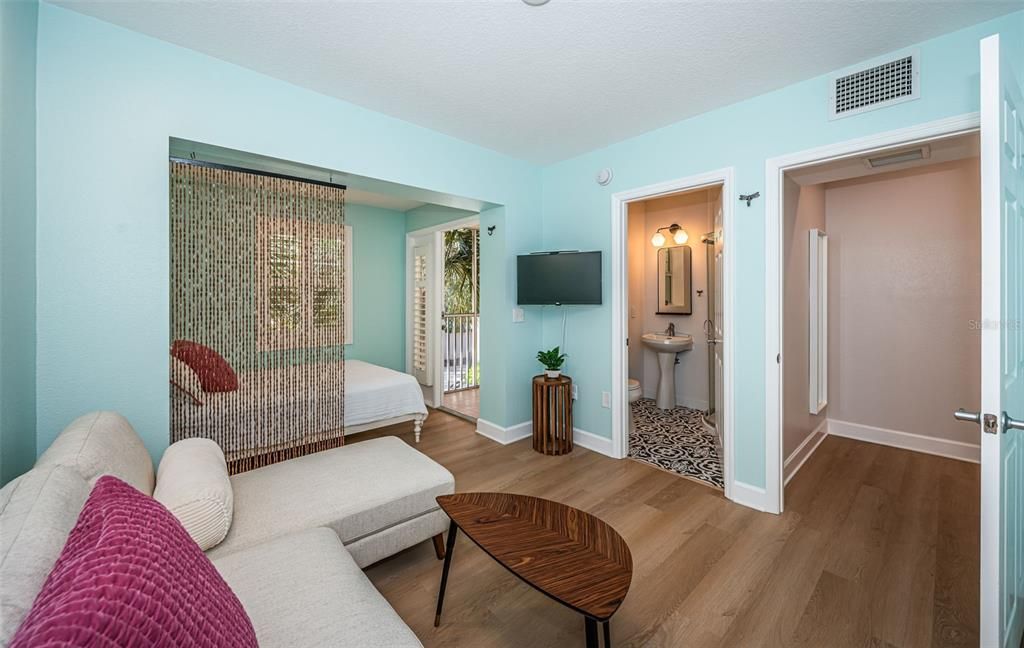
553	374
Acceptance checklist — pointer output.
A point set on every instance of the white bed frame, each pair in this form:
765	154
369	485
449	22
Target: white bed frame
417	424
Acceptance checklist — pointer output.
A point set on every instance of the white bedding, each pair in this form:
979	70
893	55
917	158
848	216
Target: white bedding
372	393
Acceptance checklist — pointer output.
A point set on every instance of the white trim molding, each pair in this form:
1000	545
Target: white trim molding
796	459
906	440
753	497
504	435
619	280
591	441
775	169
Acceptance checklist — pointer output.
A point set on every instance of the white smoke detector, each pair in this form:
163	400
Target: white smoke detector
604	176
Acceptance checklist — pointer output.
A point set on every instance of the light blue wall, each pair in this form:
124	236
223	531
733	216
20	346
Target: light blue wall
17	237
576	211
431	215
378	286
108	100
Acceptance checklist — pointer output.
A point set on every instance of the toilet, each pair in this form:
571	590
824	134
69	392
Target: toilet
633	389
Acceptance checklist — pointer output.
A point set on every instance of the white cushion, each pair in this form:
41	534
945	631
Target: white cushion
192	482
102	443
356	490
37	512
305	590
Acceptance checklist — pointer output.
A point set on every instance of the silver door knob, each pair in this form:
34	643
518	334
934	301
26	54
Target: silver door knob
1010	423
969	417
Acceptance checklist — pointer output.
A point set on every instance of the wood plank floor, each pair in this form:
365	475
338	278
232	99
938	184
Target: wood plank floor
466	401
877	547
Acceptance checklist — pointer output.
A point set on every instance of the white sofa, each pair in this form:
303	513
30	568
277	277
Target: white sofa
301	532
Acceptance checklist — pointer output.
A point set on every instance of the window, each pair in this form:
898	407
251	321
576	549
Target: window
304	293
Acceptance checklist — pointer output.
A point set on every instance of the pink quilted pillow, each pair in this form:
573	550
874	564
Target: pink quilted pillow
130	575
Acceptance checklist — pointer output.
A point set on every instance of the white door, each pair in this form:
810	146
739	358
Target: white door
718	319
1002	350
422	322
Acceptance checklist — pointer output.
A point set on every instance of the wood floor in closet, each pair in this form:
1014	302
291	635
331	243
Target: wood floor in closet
877	547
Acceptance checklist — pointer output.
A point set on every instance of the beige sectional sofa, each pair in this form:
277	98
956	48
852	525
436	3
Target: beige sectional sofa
301	530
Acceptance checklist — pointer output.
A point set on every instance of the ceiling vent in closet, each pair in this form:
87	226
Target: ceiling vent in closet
869	88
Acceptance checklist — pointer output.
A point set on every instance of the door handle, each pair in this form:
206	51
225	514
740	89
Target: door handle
989	422
1010	423
968	417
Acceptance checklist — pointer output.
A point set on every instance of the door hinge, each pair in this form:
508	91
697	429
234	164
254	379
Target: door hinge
778	358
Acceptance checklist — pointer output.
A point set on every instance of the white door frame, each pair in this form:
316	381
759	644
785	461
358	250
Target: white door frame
775	169
437	304
620	318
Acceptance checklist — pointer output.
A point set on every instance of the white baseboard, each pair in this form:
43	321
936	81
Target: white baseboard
803	452
591	441
750	496
906	440
504	435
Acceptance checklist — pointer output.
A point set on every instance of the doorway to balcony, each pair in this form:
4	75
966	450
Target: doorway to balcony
460	321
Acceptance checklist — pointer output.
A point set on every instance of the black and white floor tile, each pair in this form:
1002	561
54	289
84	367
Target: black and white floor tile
676	440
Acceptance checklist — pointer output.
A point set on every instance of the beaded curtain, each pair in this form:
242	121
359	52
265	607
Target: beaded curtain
257	275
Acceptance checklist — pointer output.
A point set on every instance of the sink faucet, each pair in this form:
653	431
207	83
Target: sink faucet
671	330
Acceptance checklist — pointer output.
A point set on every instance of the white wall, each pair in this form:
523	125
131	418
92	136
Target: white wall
904	272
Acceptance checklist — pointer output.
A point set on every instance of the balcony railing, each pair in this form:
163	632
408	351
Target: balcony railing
460	343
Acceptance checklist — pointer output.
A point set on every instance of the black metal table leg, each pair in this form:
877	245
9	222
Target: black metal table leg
449	548
591	626
607	635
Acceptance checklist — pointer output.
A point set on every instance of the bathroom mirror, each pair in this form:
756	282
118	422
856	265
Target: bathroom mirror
674	281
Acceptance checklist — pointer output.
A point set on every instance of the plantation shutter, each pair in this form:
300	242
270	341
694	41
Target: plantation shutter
421	366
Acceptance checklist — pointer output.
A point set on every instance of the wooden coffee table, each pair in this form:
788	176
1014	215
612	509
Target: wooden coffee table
563	552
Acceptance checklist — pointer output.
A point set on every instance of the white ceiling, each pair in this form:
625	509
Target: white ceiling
946	149
544	83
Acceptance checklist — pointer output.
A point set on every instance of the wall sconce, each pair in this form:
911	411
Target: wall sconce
679	235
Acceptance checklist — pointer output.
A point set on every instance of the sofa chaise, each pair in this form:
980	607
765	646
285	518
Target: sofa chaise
301	531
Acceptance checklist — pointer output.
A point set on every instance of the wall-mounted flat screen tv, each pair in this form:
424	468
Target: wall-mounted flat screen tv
559	278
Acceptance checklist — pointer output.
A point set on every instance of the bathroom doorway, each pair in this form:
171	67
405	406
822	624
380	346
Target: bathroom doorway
673	305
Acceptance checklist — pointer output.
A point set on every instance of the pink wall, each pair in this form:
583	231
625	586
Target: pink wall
803	210
904	278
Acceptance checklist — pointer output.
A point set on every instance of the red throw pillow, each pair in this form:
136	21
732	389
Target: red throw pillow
215	374
130	575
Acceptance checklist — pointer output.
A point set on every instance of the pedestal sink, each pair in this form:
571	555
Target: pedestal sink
667	346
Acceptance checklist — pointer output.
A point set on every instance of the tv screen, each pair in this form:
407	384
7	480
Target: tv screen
559	278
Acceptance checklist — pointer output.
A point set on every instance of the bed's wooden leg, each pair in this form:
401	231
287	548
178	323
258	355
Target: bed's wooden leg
417	427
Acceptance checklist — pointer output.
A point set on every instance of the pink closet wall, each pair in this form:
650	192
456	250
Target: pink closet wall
904	279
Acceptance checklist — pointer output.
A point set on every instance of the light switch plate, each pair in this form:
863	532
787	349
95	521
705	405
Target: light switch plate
518	315
606	399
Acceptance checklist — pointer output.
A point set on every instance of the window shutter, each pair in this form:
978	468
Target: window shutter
421	317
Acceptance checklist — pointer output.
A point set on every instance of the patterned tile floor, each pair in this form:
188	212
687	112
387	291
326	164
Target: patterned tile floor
675	440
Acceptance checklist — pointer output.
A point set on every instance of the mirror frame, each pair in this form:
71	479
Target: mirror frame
688	264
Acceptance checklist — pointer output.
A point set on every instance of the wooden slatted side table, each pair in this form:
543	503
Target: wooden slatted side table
552	415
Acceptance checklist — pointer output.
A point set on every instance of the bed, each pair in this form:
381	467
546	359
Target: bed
375	397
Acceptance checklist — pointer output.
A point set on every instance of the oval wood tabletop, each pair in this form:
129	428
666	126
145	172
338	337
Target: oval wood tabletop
564	552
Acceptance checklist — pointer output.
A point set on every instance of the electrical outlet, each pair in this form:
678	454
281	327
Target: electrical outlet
575	392
606	399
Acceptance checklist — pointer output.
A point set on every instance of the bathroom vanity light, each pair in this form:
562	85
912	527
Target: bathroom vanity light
679	235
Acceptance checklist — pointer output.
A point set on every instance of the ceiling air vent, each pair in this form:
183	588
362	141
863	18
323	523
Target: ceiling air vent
878	86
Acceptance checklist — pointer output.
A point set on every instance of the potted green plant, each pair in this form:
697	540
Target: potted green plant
552	361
